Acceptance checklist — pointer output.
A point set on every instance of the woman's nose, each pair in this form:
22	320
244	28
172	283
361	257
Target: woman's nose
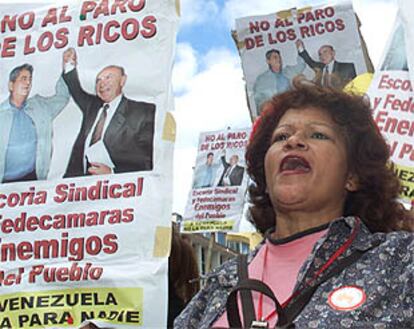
296	141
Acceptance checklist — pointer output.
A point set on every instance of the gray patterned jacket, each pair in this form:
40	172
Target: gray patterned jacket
385	273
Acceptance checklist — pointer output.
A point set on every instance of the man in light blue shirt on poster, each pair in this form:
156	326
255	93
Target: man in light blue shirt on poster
276	79
26	127
205	175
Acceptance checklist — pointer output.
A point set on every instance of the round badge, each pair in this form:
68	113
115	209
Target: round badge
346	298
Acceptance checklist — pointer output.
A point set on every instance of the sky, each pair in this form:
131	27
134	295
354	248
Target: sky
208	79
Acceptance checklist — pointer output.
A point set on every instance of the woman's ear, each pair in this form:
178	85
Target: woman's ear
352	183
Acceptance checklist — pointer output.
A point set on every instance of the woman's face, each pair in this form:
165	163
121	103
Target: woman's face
306	164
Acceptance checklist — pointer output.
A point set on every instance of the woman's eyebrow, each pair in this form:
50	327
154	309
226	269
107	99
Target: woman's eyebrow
331	126
312	123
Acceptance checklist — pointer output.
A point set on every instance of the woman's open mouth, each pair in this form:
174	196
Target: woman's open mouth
294	164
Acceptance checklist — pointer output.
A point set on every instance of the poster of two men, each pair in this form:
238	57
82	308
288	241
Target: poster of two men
116	133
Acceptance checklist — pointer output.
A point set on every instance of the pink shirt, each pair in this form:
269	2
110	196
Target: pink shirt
288	256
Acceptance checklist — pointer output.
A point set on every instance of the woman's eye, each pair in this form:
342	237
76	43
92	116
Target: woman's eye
319	135
280	137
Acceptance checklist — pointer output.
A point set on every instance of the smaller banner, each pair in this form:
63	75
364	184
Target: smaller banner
216	200
321	44
392	99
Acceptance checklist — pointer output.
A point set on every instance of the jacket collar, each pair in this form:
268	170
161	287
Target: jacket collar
365	239
339	230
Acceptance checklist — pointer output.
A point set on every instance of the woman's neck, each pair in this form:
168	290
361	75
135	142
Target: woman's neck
290	223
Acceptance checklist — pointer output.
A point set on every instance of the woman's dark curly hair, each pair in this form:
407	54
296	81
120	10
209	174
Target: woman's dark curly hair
368	154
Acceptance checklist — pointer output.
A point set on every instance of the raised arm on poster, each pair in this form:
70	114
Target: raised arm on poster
233	173
321	44
328	71
107	142
216	200
27	127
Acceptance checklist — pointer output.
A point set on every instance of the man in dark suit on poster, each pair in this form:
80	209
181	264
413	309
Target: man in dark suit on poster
116	133
328	71
233	173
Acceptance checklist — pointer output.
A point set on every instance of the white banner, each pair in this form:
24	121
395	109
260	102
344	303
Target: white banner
392	99
215	202
85	233
321	44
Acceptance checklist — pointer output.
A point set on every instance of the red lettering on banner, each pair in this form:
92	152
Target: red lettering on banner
105	8
101	9
407	151
8	22
397	84
320	28
283	23
394	125
256	41
108	35
61	38
9	46
47	40
254	27
237	135
150	28
24	21
9	278
340	24
26	198
318	14
100	190
398	105
130	29
377	101
72	248
75	272
53	18
113	30
45	222
136	6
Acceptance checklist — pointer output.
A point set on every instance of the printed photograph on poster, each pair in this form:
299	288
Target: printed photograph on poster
216	200
395	55
117	133
318	44
226	172
404	17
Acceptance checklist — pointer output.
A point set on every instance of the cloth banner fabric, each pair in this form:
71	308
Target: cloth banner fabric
321	44
84	229
392	99
216	200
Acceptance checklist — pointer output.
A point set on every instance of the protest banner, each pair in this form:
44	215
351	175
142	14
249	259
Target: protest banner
85	233
406	35
321	44
215	202
392	99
